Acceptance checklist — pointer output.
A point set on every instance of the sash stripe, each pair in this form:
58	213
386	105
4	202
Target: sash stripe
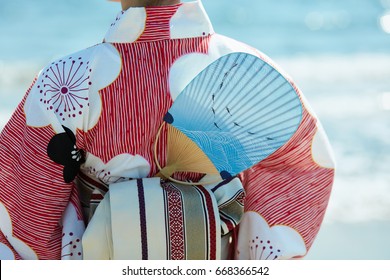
167	228
176	223
209	212
142	215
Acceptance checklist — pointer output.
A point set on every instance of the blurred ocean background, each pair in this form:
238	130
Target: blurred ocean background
337	51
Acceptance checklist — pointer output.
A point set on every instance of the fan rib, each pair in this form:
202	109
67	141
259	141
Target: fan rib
267	105
278	124
238	110
228	95
274	110
185	155
246	95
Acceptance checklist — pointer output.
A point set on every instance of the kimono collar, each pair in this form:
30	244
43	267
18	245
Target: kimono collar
141	24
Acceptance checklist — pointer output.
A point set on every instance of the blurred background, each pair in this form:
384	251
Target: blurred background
337	51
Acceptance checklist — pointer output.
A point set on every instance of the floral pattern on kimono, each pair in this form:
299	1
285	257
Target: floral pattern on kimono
112	98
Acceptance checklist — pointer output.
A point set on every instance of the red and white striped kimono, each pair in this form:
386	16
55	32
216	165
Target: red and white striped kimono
90	120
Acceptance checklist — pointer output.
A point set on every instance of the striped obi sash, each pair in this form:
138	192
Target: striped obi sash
150	219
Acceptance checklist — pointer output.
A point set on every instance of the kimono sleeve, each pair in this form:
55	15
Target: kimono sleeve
41	150
39	158
287	195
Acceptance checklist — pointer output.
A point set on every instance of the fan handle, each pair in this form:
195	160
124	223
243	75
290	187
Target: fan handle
161	169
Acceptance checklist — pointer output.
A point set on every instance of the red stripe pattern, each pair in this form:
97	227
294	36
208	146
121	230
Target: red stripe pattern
288	187
157	23
135	104
32	189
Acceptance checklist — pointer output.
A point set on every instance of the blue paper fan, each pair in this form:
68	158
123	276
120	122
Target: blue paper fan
237	111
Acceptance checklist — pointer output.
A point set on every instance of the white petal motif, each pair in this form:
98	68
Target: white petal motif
120	168
186	24
321	151
72	232
61	93
6	227
128	26
106	65
258	241
67	91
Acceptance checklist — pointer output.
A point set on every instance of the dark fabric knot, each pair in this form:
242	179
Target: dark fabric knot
62	149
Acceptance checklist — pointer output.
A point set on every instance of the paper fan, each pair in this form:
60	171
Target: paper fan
232	115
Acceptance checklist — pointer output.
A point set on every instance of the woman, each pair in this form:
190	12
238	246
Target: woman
89	121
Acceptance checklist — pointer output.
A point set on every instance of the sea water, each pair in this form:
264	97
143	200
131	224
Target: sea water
337	51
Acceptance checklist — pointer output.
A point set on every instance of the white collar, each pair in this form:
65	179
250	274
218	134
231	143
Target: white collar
184	20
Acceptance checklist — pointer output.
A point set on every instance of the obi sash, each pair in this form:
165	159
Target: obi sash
152	219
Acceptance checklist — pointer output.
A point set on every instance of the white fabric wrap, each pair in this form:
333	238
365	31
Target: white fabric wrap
147	219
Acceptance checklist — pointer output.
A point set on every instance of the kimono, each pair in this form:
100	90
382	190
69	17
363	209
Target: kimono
89	120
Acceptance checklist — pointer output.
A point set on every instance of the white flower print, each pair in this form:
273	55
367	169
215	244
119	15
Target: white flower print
19	246
64	85
135	18
67	91
320	149
182	23
72	232
120	168
258	241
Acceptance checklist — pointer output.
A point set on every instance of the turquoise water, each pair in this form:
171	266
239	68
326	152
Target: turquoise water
44	28
338	52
